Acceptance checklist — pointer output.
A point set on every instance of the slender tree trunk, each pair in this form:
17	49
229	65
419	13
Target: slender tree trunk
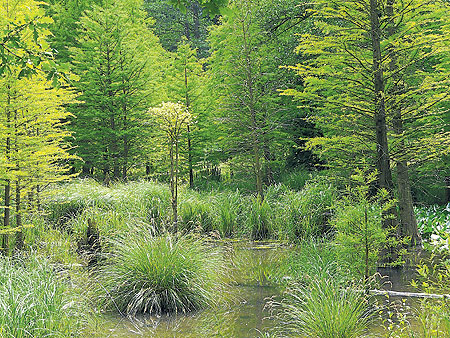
408	222
125	156
383	162
38	197
254	122
366	227
447	188
114	151
196	16
173	188
188	107
175	200
7	196
19	233
190	165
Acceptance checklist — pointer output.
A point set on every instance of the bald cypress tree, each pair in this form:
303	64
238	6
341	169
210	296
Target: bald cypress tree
118	66
376	76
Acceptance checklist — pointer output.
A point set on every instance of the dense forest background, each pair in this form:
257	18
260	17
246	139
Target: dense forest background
269	92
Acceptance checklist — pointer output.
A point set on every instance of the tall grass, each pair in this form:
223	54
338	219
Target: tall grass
284	214
300	215
154	274
326	308
34	303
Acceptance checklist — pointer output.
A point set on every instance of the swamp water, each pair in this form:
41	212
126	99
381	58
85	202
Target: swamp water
245	315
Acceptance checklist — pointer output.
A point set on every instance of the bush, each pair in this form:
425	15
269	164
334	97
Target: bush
159	274
34	303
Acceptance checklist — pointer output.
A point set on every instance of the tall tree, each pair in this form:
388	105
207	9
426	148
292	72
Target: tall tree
245	69
377	76
119	69
35	152
186	85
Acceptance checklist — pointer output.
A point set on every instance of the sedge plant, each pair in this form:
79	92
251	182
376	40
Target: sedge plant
164	273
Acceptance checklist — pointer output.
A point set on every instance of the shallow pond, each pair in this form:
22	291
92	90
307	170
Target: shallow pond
244	316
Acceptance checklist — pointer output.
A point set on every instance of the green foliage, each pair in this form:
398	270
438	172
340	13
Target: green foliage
119	64
35	303
306	213
245	76
357	222
433	220
24	50
154	274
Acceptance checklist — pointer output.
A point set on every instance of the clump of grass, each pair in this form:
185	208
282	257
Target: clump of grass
34	303
228	212
259	218
160	274
196	212
296	179
326	308
303	214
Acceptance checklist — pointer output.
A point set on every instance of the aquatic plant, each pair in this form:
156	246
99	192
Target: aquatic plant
325	308
158	274
35	303
283	214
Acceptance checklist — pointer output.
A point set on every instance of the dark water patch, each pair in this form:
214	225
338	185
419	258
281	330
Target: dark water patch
245	317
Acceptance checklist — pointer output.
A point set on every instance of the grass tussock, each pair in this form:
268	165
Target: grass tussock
160	274
35	303
323	309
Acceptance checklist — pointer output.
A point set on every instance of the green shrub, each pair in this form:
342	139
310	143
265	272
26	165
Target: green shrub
357	222
155	274
34	303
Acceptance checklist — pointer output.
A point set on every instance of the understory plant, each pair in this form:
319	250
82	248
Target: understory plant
359	235
434	225
149	273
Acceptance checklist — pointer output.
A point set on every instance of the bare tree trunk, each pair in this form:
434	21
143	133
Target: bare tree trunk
173	189
447	188
188	107
7	196
383	161
408	222
19	233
